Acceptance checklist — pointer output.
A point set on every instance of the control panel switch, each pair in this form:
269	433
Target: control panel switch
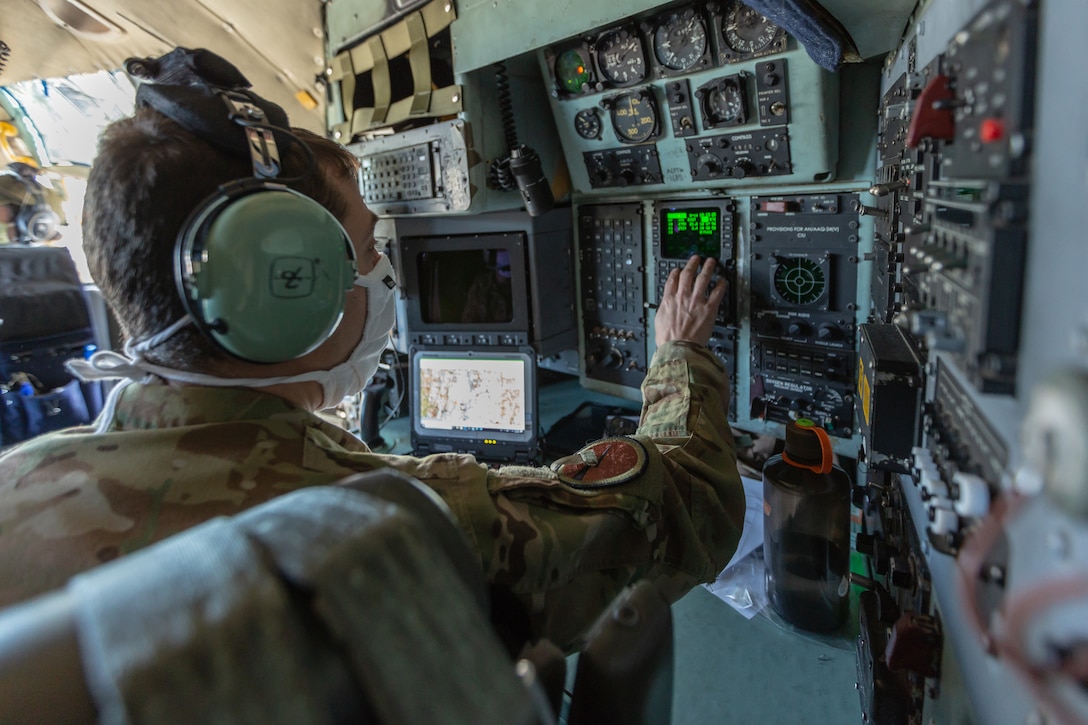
972	495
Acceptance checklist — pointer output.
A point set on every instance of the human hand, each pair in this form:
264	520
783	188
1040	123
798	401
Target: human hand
687	311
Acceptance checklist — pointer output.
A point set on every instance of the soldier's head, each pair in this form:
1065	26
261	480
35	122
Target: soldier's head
149	176
234	249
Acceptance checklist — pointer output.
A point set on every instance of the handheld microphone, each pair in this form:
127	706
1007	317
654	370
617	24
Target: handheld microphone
527	172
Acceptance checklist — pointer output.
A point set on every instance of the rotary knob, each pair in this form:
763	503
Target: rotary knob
741	169
799	329
710	165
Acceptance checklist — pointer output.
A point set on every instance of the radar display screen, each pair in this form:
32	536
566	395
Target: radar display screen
685	232
800	281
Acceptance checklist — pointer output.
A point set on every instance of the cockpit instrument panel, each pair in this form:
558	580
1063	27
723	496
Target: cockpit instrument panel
676	80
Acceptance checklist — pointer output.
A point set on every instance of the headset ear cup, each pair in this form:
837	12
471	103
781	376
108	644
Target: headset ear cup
36	224
264	270
35	221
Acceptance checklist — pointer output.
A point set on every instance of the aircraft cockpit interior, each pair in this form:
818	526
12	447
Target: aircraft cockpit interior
895	194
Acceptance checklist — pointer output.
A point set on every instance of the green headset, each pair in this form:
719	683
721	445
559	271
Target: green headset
262	269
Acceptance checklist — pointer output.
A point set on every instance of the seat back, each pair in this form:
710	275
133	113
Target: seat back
45	321
325	605
354	603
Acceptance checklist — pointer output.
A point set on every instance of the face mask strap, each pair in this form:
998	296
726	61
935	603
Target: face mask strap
135	349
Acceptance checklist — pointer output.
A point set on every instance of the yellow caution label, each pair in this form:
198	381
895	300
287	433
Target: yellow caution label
865	391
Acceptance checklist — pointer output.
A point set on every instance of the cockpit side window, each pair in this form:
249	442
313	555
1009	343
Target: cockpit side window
54	124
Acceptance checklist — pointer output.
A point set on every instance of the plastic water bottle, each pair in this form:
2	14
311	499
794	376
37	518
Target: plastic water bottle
806	530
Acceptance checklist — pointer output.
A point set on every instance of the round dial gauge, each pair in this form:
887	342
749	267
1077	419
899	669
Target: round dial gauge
620	57
588	123
634	116
680	40
726	104
746	30
799	281
572	71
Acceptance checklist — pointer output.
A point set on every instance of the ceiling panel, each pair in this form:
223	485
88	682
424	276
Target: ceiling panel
278	44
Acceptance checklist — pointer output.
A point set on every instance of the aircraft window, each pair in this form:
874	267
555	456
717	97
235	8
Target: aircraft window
63	118
68	113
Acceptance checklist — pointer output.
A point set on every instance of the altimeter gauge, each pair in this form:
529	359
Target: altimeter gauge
680	40
620	58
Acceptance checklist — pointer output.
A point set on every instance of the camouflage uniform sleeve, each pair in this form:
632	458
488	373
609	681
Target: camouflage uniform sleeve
685	415
565	550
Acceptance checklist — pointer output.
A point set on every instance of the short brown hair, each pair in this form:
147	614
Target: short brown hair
149	175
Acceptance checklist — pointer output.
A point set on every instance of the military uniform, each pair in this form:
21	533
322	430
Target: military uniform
666	503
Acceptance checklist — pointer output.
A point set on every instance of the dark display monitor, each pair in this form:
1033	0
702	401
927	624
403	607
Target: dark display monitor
479	402
490	280
467	290
466	286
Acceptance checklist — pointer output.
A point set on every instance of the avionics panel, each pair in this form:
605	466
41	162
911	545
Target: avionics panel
705	227
804	286
611	268
953	187
988	298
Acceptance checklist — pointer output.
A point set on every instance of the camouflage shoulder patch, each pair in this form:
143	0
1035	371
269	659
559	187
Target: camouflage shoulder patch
607	462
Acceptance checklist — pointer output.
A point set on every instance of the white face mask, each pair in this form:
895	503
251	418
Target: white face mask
352	375
347	378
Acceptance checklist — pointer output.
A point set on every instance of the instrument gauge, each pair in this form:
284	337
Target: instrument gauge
724	101
634	116
800	281
588	124
572	72
747	30
620	58
726	104
680	40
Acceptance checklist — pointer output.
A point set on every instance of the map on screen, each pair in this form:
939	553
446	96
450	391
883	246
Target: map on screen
466	394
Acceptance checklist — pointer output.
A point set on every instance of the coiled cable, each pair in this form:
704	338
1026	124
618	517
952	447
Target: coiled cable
498	172
519	169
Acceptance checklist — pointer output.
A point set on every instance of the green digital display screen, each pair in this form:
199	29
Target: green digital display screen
685	232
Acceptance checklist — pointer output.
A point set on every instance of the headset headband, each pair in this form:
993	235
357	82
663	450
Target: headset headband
188	87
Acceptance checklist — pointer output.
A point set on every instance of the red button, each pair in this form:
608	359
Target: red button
991	129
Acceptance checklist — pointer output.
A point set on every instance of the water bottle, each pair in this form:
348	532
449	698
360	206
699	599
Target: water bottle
806	530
